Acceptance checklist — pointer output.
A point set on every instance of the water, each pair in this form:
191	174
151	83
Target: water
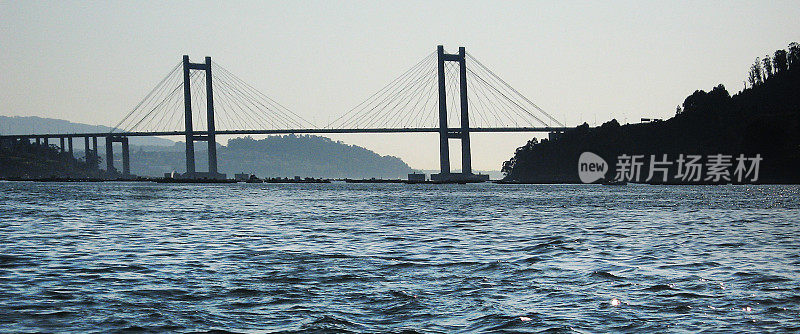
390	258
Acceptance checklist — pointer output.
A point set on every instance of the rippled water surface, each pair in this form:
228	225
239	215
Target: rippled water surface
389	258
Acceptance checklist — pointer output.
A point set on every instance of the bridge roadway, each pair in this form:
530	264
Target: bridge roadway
281	131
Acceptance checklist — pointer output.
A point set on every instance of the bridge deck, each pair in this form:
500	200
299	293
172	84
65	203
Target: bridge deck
280	131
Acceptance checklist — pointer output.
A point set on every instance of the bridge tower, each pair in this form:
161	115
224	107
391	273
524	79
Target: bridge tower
210	137
445	132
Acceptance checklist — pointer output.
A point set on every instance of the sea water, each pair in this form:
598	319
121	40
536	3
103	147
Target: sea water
77	257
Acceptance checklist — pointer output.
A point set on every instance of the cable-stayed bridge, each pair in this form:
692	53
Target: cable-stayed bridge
439	94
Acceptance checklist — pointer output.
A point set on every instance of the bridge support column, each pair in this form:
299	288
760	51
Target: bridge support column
86	153
38	141
110	155
466	155
61	147
126	162
211	135
444	144
69	146
95	154
187	117
445	132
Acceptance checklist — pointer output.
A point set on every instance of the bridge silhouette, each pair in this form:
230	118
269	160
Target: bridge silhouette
424	99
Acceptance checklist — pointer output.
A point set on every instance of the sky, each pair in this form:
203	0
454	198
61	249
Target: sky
581	61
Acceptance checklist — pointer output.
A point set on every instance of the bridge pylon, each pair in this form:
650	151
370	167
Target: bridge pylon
191	172
445	132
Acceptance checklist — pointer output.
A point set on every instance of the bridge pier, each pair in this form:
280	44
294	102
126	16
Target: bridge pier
86	149
89	153
445	132
126	161
466	154
95	154
126	164
69	147
210	137
444	144
110	155
187	117
61	147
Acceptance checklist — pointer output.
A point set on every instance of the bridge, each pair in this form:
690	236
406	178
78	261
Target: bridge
426	98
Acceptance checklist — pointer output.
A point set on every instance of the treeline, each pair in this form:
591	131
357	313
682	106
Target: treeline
24	160
763	119
780	62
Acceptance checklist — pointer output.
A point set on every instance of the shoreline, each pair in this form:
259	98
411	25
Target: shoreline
355	181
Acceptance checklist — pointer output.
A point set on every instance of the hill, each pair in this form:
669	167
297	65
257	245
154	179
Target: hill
761	121
278	156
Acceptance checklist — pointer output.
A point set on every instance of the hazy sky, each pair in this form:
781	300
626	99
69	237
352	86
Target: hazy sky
91	62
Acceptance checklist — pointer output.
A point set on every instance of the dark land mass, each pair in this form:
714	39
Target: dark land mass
762	119
22	160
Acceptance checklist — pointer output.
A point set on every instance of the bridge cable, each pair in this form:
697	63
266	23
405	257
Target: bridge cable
399	88
277	116
156	107
249	116
425	93
499	94
406	94
149	94
288	121
347	116
360	110
511	96
514	90
278	108
155	104
266	120
489	93
502	100
365	117
245	116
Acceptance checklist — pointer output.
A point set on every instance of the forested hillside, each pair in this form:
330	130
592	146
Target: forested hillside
763	119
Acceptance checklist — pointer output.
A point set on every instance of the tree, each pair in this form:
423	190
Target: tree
678	110
780	61
759	72
794	55
767	66
753	76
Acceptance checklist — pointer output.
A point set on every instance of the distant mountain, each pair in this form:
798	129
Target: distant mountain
277	156
31	124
